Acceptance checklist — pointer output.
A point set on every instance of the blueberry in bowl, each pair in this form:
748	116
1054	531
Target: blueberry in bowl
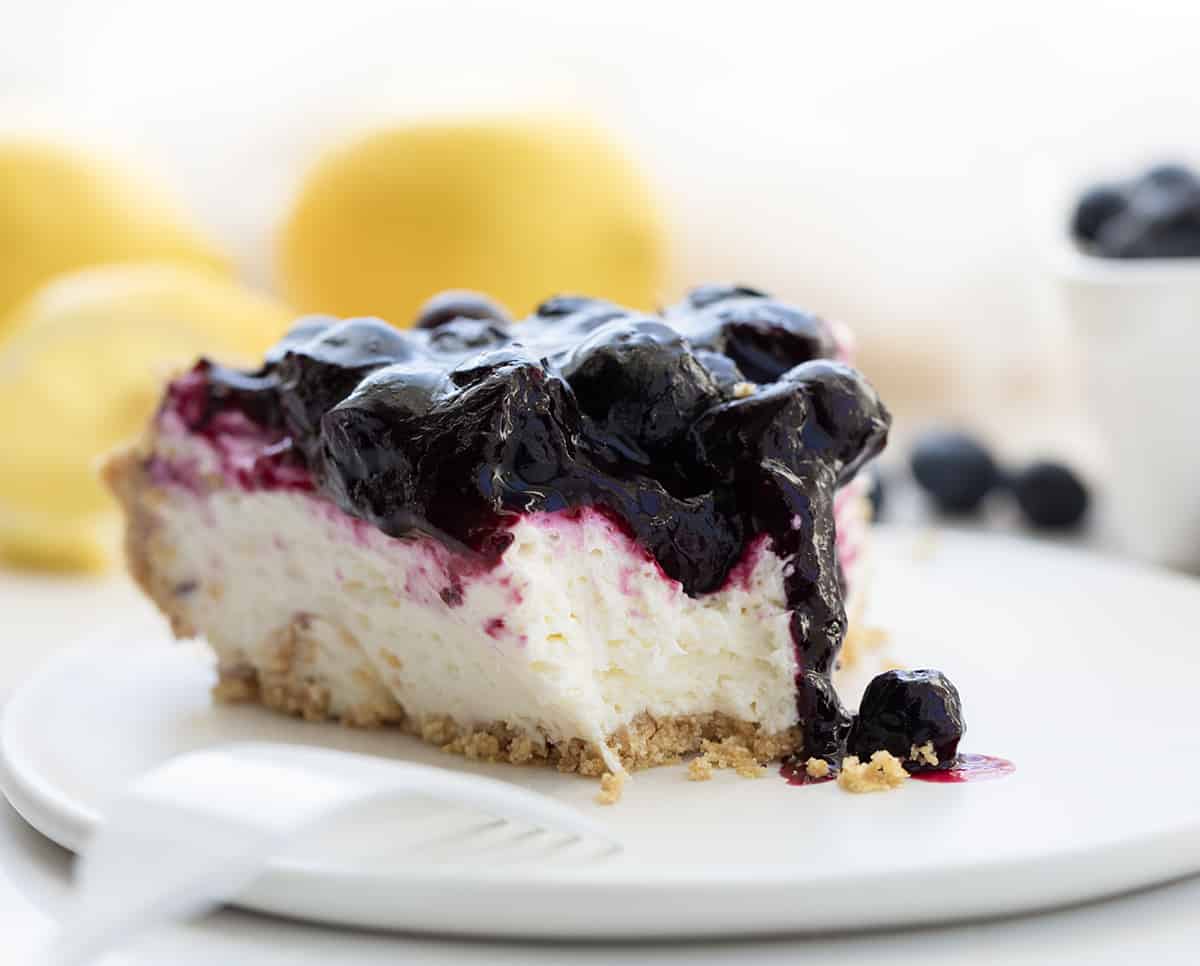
1153	215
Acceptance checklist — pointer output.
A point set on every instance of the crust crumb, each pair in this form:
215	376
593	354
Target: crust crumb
736	752
439	729
816	768
882	773
611	787
743	389
234	687
699	770
924	754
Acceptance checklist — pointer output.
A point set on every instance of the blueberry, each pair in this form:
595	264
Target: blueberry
560	306
723	369
703	296
954	469
459	304
640	382
848	421
461	335
734	439
1050	495
303	330
1161	220
765	338
902	711
1098	206
316	375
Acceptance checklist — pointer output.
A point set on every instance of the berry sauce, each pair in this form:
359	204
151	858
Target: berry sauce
794	772
969	768
700	431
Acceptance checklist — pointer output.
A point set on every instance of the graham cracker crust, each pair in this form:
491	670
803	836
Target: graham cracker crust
644	743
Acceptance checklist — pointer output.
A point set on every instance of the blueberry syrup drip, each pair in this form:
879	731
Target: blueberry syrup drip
969	768
698	432
794	772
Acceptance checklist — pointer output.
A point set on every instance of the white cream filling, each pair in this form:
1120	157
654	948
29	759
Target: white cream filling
572	634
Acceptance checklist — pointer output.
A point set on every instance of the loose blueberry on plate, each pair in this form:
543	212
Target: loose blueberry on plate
1050	495
954	469
909	714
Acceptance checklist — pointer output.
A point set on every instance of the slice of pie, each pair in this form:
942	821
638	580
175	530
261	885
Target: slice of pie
594	537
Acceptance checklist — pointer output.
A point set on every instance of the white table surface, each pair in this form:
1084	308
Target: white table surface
1160	925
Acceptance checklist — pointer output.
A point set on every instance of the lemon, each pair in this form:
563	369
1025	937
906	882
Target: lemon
81	372
519	208
62	208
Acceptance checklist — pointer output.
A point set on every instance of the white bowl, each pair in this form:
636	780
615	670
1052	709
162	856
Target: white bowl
1136	327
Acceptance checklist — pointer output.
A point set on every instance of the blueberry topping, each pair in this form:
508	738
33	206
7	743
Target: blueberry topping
560	306
640	383
458	336
303	330
903	711
764	337
694	434
315	376
459	304
954	469
848	420
1050	496
705	295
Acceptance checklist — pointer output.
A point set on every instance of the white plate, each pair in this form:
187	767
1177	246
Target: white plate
1082	671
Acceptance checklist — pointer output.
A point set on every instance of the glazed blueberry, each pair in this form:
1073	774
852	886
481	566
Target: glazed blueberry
303	330
639	381
765	338
457	337
902	711
316	375
724	370
954	469
560	306
459	304
1097	207
848	420
703	296
1050	496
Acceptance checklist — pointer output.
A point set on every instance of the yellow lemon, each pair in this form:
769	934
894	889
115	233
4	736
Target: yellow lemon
62	208
82	371
519	208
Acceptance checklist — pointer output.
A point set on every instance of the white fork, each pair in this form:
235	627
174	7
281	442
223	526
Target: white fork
195	831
